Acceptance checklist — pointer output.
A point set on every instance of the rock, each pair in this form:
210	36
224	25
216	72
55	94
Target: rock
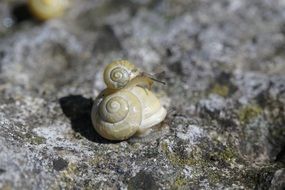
59	164
224	66
278	180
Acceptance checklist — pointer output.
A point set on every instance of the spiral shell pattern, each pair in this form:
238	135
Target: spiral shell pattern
117	116
114	109
118	74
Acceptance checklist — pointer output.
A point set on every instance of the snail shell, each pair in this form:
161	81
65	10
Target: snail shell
47	9
120	115
117	116
152	110
126	107
119	73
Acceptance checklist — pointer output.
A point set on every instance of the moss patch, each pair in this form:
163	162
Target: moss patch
247	113
34	139
67	178
176	159
227	155
221	90
204	161
180	181
96	160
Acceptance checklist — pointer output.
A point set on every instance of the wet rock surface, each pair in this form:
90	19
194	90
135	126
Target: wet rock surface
225	72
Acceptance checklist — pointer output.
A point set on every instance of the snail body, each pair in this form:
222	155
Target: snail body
125	109
47	9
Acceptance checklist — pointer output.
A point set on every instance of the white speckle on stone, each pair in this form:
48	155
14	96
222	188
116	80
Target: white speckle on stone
8	22
192	134
58	135
188	171
214	103
51	133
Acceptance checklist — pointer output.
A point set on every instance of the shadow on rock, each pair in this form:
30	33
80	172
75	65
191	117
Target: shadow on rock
281	156
78	110
22	13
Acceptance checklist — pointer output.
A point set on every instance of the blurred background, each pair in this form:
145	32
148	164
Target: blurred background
224	65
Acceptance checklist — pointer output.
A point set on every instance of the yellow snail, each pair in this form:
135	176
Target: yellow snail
47	9
126	107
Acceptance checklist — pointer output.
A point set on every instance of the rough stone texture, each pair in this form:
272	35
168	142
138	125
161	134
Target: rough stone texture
225	70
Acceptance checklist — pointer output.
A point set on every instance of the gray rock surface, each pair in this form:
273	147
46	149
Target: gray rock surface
225	74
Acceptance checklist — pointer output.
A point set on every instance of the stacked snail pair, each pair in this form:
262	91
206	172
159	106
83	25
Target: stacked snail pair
126	107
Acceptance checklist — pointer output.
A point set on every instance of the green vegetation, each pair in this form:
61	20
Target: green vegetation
221	90
247	113
34	139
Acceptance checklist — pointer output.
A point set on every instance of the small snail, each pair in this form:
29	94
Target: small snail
126	107
47	9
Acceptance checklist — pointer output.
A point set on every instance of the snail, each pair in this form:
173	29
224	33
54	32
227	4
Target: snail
47	9
126	107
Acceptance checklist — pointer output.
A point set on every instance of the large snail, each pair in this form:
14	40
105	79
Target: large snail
47	9
126	107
